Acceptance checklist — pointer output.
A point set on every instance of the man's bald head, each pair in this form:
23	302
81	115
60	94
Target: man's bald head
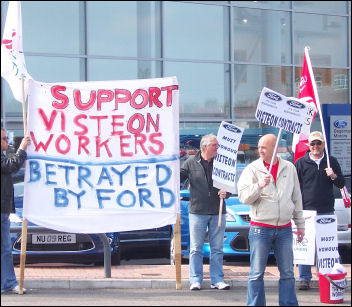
266	146
269	139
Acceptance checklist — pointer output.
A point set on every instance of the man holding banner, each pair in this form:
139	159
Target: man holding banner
9	165
275	199
203	215
316	182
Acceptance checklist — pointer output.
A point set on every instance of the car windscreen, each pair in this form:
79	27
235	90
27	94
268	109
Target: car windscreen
18	176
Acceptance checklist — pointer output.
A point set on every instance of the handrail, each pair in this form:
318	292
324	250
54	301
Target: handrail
102	237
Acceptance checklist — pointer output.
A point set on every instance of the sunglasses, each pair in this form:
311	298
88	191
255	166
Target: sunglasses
5	138
318	143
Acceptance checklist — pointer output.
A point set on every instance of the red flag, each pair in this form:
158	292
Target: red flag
306	93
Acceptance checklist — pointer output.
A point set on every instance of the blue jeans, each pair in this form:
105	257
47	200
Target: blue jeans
198	225
305	272
8	277
261	240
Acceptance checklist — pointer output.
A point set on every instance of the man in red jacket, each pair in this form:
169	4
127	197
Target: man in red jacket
316	183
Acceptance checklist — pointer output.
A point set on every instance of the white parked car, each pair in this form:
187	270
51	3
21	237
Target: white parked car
343	217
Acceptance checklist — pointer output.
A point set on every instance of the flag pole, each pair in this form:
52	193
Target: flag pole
177	246
220	211
25	221
317	102
24	115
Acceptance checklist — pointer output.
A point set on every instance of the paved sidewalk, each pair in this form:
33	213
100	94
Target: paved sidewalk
139	276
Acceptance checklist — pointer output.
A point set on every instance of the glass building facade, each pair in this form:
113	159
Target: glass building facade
222	52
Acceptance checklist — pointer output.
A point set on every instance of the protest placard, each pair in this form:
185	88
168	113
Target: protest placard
326	241
287	113
104	155
304	252
224	168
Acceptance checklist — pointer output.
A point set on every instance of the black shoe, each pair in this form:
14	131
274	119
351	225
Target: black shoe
303	285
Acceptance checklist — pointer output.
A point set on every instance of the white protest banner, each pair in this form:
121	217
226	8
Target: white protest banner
304	252
224	168
287	113
104	156
326	241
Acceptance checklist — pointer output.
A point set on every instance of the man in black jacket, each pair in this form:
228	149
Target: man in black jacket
203	214
316	181
9	165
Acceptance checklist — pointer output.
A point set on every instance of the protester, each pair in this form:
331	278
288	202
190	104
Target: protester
203	214
9	165
316	183
274	199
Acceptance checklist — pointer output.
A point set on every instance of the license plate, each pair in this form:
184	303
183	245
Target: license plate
54	238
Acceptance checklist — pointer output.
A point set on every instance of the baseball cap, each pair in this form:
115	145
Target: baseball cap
316	135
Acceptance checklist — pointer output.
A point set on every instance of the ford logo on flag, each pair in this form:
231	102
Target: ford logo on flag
295	104
231	128
273	96
325	220
340	123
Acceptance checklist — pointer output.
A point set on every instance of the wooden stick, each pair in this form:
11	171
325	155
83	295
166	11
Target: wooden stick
23	254
25	221
220	211
177	240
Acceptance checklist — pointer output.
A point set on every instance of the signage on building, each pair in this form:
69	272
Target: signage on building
340	141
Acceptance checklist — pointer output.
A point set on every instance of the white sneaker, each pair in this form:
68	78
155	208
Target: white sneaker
16	290
220	285
195	286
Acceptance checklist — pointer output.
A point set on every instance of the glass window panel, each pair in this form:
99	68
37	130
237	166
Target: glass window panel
54	69
212	2
329	7
325	35
262	36
45	69
204	88
15	136
103	69
10	106
123	28
247	151
199	128
51	26
195	31
332	84
265	4
249	82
